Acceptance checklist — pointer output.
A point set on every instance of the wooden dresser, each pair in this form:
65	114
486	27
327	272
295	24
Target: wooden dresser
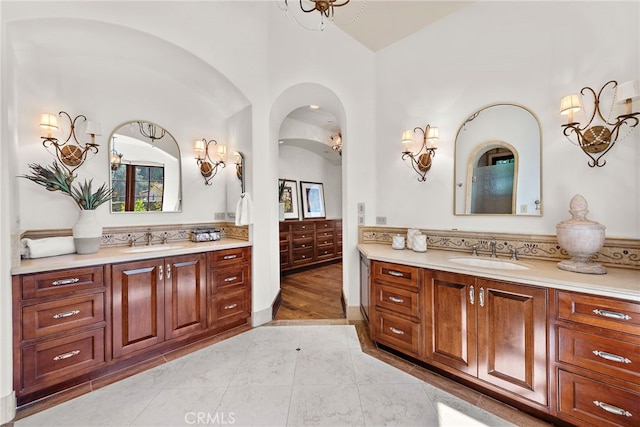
309	243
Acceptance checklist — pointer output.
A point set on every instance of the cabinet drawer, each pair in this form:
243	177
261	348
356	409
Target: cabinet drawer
599	353
302	236
47	318
303	243
229	307
302	256
595	402
324	225
218	259
398	300
324	241
225	278
619	315
401	334
284	237
324	234
303	226
325	252
395	274
52	361
58	282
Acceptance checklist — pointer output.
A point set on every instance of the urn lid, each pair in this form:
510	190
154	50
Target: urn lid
578	210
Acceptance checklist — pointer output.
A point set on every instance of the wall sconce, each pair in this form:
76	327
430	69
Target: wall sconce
420	160
336	142
599	135
116	158
70	154
208	167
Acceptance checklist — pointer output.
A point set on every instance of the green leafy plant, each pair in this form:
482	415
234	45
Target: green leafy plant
54	178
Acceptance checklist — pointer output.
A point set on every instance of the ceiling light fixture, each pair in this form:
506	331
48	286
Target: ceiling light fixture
151	131
325	7
599	134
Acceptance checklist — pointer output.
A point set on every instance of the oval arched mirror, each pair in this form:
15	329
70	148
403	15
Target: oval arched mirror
145	169
497	165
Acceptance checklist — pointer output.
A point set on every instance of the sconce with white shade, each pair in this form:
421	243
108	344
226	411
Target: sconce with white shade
420	160
209	167
71	153
600	133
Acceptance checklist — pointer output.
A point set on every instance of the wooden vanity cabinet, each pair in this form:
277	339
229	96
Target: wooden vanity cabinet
596	359
308	243
157	300
229	296
60	328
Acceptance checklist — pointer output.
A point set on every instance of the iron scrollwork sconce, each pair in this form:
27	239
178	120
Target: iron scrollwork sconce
208	167
422	159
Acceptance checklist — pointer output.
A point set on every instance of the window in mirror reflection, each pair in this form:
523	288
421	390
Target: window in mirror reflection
137	188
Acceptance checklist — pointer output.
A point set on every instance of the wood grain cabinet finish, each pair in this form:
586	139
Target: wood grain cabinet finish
308	243
60	325
75	325
597	359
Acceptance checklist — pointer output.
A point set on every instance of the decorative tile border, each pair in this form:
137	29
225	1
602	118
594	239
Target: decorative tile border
615	252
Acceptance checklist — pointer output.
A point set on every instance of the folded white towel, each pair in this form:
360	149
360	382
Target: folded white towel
48	246
244	210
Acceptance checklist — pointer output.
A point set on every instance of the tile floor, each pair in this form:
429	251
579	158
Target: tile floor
311	375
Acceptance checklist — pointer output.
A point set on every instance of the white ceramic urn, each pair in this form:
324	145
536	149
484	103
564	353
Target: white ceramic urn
581	238
87	233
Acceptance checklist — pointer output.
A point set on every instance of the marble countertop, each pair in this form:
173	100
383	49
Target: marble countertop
618	282
110	255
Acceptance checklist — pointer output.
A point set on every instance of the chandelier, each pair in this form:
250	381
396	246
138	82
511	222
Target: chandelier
151	131
325	7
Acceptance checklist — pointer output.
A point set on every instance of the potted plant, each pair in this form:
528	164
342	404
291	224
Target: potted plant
87	232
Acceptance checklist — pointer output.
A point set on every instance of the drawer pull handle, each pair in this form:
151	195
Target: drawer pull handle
395	273
611	357
160	273
230	306
230	257
65	281
472	296
396	331
481	297
66	355
395	299
612	314
168	271
612	409
66	314
231	279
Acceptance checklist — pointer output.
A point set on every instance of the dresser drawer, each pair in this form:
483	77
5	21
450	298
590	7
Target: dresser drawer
62	281
596	403
229	307
325	252
401	334
303	226
56	360
231	277
395	274
324	234
303	256
218	259
398	300
40	320
325	240
324	225
302	236
303	243
609	313
284	237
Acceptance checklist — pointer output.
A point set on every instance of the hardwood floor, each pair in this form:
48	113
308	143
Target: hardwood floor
312	294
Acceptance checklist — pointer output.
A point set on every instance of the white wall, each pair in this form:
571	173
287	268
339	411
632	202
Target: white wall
529	53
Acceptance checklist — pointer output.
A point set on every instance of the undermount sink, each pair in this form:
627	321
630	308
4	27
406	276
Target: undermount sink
152	248
489	263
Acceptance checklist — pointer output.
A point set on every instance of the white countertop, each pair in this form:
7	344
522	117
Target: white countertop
110	255
618	282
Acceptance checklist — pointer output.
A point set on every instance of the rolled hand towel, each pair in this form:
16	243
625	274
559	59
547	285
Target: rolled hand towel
49	246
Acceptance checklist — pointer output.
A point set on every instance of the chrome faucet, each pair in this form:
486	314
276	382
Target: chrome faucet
514	254
474	250
148	236
492	245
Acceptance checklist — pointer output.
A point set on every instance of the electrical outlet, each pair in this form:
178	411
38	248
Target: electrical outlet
231	215
219	216
360	219
523	208
381	220
360	208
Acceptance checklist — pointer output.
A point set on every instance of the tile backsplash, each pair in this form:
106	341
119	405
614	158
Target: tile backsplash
623	253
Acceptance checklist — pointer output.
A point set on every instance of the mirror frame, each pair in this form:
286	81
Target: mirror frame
179	186
466	165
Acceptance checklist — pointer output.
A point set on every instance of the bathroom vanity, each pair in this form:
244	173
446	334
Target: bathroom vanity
560	345
78	318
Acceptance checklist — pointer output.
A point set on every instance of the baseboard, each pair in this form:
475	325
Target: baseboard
277	302
261	317
353	313
8	407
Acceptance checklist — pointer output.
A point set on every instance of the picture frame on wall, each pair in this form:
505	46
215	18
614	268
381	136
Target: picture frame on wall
290	198
312	194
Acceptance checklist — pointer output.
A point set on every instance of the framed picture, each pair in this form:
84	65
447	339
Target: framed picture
289	198
312	200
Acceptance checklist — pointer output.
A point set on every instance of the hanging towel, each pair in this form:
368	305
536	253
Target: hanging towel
49	246
244	210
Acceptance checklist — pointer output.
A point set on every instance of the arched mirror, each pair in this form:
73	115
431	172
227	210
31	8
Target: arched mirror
497	167
145	169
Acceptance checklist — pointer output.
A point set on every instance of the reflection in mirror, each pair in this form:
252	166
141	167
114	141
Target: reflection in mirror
235	182
498	163
145	169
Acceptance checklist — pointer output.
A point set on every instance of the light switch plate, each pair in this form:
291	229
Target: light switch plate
360	208
220	216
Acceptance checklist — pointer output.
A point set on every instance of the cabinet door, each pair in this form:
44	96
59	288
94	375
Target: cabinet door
185	295
452	312
138	305
512	338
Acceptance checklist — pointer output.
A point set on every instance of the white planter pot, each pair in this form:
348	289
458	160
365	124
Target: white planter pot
87	233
